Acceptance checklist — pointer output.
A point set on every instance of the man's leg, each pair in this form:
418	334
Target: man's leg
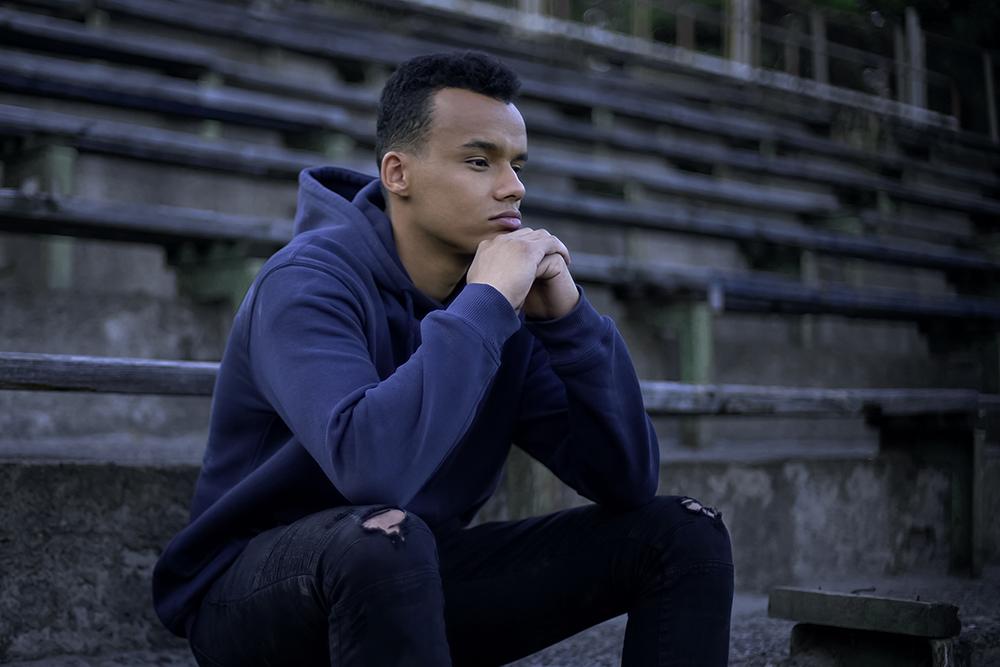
514	587
347	586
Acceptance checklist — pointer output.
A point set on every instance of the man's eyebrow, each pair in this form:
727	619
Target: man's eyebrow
491	147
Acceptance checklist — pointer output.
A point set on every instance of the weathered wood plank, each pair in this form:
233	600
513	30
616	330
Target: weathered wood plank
52	372
865	612
341	39
675	398
746	291
163	145
160	145
35	31
142	223
104	84
170	56
688	185
753	229
155	144
754	292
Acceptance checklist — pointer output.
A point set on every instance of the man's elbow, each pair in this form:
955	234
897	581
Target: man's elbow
632	493
378	492
643	486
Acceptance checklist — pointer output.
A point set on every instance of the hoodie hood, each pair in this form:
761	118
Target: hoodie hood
349	206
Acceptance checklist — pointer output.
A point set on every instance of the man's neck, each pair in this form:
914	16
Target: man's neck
434	270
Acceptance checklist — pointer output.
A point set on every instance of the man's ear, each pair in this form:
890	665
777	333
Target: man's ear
395	173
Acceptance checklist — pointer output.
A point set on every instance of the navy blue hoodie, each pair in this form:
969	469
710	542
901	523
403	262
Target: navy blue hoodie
342	383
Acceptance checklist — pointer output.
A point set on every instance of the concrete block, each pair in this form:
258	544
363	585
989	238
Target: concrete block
794	521
865	612
117	325
79	543
823	646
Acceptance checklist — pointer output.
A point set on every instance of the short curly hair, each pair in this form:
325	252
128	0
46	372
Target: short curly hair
404	109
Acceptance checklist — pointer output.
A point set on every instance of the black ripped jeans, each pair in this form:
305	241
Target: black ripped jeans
327	590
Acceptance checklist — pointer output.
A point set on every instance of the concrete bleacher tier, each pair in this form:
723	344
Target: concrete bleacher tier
762	248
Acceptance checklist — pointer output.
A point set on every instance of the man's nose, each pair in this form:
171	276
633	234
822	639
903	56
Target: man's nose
510	186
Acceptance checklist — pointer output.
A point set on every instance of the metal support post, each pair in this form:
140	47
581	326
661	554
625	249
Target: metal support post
685	27
916	60
48	168
742	31
820	60
693	323
991	100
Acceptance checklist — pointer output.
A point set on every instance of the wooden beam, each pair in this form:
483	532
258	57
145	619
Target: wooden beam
53	372
864	612
740	291
677	398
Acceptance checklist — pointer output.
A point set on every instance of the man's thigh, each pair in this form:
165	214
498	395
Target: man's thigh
515	587
274	605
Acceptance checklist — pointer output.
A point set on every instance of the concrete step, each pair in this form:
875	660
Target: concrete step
80	538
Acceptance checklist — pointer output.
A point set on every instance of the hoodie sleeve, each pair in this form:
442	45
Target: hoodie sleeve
582	412
378	440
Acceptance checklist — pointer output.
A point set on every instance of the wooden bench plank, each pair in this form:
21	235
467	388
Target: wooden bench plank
438	25
865	612
745	291
686	185
155	144
45	31
676	398
34	31
142	223
116	86
757	292
275	29
53	372
159	94
754	228
160	145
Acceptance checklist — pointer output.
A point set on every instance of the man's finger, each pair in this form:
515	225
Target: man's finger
554	245
550	266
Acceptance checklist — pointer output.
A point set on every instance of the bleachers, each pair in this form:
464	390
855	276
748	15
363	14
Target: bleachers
742	240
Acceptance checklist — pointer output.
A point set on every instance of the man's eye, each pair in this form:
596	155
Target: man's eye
479	162
517	168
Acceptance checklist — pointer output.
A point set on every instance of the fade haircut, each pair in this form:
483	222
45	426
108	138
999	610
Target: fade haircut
404	109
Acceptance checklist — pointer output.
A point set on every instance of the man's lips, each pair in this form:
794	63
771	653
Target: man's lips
509	219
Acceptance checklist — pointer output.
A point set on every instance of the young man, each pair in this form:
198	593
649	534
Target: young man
376	375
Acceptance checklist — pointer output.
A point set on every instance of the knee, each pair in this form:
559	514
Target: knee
384	545
688	532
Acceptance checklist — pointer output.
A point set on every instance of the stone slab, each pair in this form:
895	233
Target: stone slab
817	645
865	612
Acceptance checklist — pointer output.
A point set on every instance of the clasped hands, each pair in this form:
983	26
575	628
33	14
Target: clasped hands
530	268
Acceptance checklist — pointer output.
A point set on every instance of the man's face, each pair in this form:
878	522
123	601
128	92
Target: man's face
467	172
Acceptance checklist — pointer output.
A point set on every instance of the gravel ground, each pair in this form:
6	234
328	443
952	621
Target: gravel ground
756	640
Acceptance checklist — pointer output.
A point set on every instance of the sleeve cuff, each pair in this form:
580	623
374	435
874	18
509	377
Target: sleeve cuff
487	311
572	336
